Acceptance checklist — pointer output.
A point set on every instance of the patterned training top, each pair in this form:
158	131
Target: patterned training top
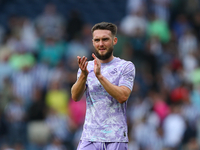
105	119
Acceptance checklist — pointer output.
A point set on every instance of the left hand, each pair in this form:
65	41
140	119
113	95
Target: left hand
97	66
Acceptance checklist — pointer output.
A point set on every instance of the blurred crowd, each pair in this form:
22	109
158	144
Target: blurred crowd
38	66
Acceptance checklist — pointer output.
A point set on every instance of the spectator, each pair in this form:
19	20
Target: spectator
174	127
161	9
180	25
187	44
37	109
15	115
6	70
75	25
133	6
50	50
24	85
133	23
159	28
50	21
57	98
59	125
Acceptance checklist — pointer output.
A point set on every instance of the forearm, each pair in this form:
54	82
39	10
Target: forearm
120	93
78	88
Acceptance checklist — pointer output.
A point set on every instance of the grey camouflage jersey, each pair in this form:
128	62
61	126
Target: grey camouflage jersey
105	119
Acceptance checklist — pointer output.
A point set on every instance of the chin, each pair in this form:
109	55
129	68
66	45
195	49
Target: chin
104	54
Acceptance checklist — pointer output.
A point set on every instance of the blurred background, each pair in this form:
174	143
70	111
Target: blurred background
39	42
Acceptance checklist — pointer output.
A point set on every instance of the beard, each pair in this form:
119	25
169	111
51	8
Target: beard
105	56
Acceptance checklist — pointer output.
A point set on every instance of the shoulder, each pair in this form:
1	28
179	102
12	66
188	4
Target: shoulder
126	67
125	63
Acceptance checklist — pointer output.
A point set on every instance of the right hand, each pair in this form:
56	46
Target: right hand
97	66
82	63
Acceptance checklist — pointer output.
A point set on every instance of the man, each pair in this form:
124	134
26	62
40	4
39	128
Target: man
107	82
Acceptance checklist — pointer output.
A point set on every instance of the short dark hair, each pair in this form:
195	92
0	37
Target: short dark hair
105	26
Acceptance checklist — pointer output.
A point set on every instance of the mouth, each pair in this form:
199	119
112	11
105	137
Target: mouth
102	49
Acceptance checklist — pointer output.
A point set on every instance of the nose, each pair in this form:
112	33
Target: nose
100	42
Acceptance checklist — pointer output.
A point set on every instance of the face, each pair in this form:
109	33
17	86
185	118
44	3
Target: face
103	42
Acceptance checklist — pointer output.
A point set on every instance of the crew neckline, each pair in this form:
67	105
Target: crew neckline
109	62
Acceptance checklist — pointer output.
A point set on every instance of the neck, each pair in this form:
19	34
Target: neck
107	60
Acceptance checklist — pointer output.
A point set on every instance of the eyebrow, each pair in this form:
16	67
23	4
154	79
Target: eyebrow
104	38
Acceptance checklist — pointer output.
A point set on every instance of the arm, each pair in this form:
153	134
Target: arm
120	93
79	87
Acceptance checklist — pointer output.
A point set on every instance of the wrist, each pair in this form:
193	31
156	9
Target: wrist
99	77
83	75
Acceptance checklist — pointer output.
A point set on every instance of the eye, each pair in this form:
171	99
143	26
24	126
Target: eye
105	39
96	40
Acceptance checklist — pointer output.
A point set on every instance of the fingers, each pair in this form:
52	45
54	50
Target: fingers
93	55
79	59
85	67
82	62
95	58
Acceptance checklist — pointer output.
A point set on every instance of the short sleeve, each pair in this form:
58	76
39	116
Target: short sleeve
127	76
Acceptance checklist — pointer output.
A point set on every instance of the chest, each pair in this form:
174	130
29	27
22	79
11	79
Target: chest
112	74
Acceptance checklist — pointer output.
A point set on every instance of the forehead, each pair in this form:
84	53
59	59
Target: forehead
102	33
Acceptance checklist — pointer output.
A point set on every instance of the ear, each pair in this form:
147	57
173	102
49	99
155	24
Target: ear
115	41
